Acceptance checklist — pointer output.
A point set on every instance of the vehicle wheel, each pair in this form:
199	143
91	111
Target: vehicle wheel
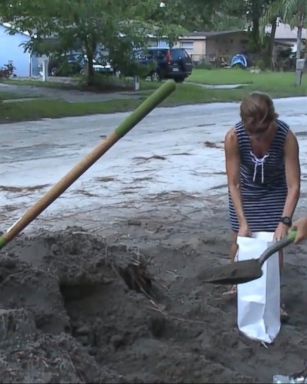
179	79
155	76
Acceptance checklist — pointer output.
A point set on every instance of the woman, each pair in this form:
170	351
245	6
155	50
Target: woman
263	171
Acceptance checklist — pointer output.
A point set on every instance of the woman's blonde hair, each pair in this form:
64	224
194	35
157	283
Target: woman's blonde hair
257	111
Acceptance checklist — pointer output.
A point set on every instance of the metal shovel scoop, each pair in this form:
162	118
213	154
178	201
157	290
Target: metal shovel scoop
246	270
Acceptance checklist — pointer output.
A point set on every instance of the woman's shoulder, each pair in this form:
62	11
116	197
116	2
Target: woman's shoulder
236	133
282	125
231	137
239	125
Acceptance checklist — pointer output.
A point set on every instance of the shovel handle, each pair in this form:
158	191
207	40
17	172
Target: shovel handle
147	106
278	246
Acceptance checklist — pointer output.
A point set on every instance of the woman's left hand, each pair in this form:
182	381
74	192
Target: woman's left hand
281	232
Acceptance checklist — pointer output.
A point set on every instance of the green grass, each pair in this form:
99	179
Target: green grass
40	83
103	84
12	96
37	109
280	84
221	76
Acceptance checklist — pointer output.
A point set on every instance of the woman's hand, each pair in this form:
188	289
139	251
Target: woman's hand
301	227
244	230
281	232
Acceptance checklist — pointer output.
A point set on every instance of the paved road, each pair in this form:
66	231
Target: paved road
176	150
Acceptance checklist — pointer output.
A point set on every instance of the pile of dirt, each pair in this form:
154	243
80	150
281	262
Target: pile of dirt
68	314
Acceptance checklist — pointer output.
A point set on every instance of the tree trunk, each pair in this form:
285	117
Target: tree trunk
271	43
255	33
299	41
299	72
136	83
90	69
90	48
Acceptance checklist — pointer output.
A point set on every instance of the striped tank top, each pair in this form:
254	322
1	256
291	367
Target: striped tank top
262	182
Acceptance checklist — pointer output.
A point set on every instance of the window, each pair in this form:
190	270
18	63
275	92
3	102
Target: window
187	45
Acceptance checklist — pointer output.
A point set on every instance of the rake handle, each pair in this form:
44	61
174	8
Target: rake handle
135	117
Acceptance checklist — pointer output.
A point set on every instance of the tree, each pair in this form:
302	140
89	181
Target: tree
293	12
115	25
270	17
251	12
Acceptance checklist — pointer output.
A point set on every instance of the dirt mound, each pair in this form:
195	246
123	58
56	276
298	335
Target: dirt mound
68	314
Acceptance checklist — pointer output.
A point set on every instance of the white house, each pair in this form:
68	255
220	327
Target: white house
12	51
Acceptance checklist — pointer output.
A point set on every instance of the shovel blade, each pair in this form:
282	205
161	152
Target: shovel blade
235	273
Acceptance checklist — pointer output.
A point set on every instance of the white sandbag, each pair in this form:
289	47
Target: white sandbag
258	313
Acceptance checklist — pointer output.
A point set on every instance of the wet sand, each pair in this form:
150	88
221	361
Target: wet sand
67	315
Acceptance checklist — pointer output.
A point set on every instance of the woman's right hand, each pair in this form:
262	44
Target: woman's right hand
301	227
244	230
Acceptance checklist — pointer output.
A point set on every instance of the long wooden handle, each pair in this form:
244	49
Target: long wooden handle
147	106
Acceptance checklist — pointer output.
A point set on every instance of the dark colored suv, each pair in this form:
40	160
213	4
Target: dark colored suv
166	63
74	64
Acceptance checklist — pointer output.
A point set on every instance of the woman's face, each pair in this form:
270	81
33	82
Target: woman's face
258	116
260	131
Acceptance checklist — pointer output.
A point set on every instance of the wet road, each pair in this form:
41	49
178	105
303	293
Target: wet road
173	150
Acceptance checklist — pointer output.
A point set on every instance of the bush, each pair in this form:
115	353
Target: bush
103	82
205	65
260	63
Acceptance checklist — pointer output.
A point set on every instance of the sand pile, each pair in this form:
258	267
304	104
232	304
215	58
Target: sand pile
67	315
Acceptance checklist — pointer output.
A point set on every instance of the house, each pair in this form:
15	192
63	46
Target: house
155	42
213	46
286	35
285	39
12	51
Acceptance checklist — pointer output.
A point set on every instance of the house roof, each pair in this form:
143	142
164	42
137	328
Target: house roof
285	32
205	35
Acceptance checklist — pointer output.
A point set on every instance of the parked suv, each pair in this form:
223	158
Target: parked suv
74	64
164	63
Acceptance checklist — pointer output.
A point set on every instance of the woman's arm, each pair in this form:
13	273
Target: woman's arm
232	155
293	175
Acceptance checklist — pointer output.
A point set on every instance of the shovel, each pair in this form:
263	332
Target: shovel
247	270
136	116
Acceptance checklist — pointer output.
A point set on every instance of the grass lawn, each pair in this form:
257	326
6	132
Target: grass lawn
12	96
40	83
279	84
104	84
37	109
